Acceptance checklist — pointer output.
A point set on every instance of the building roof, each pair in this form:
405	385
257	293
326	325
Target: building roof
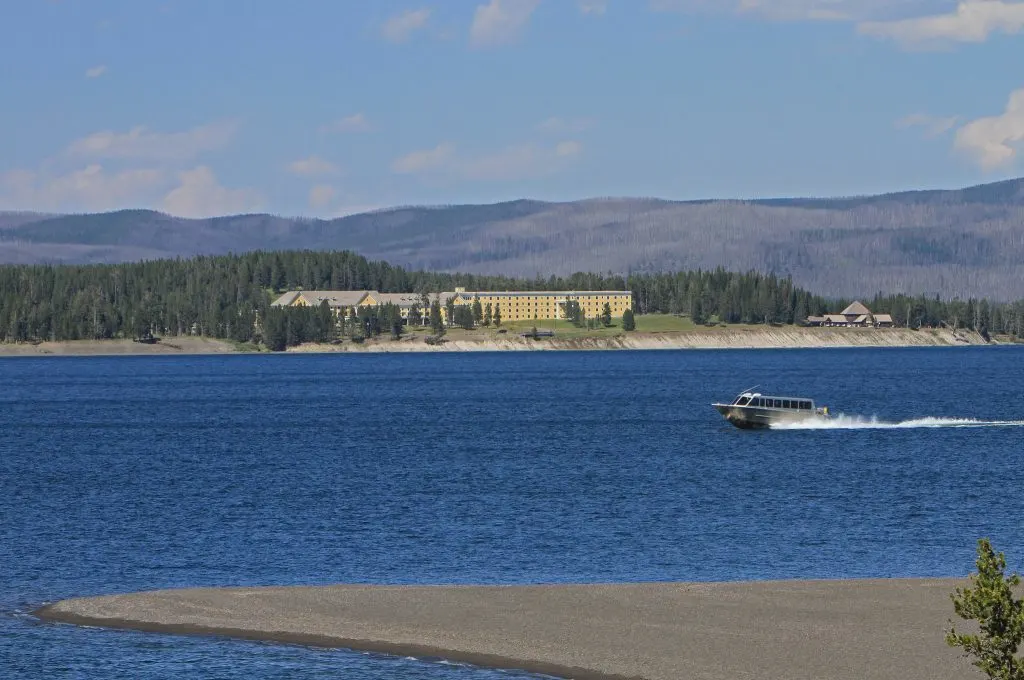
816	319
542	293
397	299
285	299
334	298
835	318
883	318
856	309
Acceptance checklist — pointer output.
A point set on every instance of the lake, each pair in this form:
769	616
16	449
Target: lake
136	473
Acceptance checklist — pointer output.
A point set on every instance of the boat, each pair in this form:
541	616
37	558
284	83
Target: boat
753	410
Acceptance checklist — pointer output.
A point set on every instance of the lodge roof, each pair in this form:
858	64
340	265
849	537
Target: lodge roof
285	299
334	298
856	309
542	293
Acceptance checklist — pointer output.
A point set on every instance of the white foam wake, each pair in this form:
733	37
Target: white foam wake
844	422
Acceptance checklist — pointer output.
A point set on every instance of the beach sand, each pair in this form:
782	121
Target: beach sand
172	345
743	337
784	630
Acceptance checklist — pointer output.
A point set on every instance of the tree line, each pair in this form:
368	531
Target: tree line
229	297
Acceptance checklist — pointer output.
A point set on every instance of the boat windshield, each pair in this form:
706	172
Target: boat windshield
741	400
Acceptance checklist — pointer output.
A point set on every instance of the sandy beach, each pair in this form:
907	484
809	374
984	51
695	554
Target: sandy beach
784	630
175	345
744	337
712	338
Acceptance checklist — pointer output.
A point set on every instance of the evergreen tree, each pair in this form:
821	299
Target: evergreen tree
999	616
464	317
449	311
573	313
353	322
628	321
415	316
275	336
436	322
488	314
606	315
696	311
497	314
326	329
478	310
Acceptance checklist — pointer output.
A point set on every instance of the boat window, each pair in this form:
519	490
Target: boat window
743	401
805	405
786	403
778	403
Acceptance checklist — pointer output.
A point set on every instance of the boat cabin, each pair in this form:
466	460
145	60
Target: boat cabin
757	400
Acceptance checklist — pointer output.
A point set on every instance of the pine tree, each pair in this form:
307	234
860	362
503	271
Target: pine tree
497	314
478	310
449	309
488	314
999	615
436	322
606	315
628	320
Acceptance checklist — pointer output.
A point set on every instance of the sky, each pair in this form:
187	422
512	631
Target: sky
330	107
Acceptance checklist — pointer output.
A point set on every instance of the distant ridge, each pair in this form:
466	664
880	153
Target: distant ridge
952	242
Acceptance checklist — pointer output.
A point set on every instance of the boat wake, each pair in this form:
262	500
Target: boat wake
844	422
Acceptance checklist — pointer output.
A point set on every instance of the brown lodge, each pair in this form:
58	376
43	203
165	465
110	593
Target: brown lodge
855	316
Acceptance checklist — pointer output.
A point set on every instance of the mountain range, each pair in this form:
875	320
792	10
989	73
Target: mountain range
953	243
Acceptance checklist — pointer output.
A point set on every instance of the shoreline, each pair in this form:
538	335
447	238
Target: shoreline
794	630
787	337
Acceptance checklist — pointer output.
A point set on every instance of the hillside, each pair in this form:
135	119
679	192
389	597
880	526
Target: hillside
967	242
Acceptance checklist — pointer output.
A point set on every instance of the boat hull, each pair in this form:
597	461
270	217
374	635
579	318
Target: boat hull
759	418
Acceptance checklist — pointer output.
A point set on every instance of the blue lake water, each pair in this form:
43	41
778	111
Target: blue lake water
137	473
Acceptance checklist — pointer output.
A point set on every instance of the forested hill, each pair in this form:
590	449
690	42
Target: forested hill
225	296
960	243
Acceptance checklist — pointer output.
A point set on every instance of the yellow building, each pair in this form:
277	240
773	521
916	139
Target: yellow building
514	305
527	305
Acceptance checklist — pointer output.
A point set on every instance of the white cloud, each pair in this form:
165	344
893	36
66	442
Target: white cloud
90	189
561	126
569	148
140	143
971	21
424	160
357	122
994	142
321	195
95	71
933	125
201	195
804	10
500	22
597	7
519	161
312	166
400	27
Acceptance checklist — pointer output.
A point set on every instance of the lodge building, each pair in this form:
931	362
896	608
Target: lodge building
513	305
857	315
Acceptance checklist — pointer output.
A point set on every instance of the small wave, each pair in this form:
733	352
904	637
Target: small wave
844	422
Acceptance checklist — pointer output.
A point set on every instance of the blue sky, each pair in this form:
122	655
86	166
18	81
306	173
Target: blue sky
327	107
